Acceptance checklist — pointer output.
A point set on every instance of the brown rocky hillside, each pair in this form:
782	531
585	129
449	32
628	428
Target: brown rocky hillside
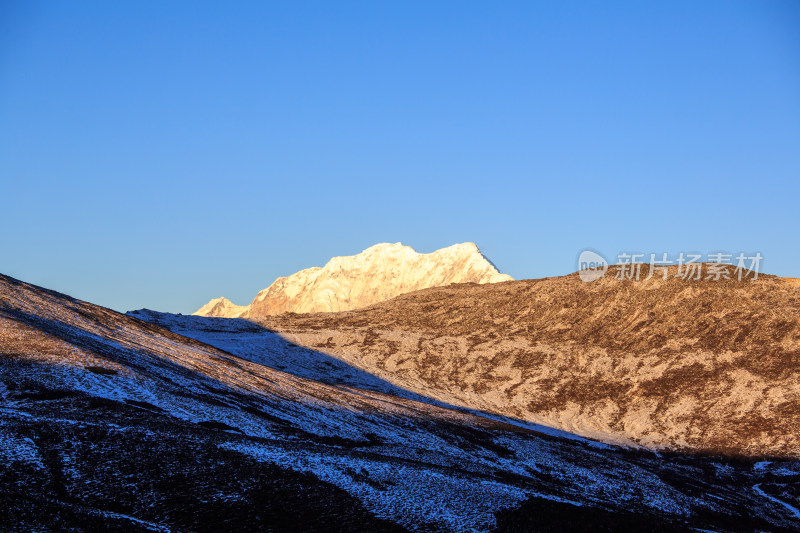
711	366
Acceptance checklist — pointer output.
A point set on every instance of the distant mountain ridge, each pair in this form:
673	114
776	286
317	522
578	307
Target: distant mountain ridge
379	273
222	307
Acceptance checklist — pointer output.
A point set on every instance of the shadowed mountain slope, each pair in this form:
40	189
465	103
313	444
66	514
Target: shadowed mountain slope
108	422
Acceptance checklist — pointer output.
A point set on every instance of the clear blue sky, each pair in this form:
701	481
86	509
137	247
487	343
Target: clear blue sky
158	154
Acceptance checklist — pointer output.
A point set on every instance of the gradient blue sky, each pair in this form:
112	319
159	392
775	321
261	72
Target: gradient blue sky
158	154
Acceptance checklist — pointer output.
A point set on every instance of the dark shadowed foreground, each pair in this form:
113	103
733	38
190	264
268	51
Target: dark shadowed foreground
108	422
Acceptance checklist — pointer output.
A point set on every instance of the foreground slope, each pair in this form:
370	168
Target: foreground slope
378	273
709	366
110	422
